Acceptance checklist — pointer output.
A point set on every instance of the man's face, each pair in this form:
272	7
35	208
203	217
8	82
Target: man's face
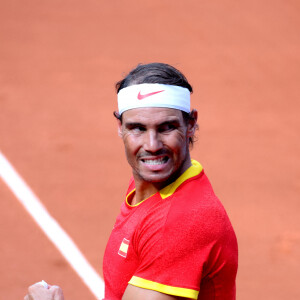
156	143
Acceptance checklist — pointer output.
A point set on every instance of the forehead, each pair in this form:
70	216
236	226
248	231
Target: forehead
152	115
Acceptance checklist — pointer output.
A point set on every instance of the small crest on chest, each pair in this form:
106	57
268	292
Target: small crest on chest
124	248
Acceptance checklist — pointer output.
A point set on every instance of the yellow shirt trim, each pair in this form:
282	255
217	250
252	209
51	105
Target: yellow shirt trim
194	170
165	289
129	194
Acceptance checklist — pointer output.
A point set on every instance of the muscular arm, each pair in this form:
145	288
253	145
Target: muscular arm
136	293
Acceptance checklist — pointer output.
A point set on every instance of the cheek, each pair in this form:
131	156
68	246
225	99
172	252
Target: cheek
178	145
131	144
177	141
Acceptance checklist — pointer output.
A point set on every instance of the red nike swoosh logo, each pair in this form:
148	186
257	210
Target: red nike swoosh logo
141	97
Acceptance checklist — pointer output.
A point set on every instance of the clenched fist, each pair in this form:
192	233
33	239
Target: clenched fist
39	291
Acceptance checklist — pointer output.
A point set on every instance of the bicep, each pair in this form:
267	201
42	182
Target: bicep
135	293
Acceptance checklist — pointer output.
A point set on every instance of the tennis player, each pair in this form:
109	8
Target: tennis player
173	238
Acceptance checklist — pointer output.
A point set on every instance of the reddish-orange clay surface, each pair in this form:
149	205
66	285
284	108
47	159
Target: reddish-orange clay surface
59	61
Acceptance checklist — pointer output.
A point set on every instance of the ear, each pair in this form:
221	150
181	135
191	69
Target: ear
192	126
120	132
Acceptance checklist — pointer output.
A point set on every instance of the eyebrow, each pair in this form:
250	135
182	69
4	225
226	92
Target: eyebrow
137	124
134	124
174	121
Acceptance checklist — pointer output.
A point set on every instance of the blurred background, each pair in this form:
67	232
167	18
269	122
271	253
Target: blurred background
59	61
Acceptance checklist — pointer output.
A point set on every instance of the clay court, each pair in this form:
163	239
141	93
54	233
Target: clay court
59	61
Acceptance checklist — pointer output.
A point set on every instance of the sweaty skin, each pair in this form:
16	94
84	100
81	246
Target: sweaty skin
156	142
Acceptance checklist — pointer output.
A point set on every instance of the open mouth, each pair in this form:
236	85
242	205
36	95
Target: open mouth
157	161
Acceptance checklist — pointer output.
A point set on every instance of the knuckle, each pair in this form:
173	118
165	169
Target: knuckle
56	288
57	291
30	289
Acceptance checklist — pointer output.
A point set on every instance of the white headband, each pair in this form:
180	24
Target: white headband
154	95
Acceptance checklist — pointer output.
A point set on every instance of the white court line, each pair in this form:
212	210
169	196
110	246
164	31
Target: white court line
51	228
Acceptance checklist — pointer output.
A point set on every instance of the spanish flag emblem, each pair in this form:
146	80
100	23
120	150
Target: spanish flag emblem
124	248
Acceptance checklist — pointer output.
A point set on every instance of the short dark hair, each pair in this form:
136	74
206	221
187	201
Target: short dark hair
156	73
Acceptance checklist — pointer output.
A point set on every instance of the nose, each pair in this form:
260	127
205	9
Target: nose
152	141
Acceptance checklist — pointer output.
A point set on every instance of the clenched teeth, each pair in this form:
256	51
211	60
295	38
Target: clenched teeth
158	161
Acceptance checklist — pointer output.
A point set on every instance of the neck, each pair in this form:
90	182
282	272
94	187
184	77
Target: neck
143	191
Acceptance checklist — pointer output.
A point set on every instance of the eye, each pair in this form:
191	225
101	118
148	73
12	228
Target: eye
167	127
137	129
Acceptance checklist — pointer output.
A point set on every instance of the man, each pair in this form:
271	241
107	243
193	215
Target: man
173	238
